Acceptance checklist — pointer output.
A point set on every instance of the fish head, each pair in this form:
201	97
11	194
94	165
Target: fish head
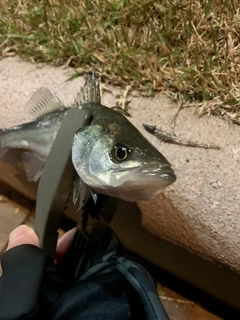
114	158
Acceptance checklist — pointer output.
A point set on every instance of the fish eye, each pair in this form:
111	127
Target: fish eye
121	152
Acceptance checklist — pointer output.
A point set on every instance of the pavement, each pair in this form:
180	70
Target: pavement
199	212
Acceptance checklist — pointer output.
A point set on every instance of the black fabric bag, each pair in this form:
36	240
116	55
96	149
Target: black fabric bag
113	286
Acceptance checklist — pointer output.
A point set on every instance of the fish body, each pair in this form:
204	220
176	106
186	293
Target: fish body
109	155
37	136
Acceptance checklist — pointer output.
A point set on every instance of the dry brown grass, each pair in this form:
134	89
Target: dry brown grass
189	49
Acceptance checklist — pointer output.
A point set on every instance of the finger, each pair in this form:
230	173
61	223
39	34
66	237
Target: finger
63	245
22	235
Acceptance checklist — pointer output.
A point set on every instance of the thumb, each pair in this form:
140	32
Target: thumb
22	235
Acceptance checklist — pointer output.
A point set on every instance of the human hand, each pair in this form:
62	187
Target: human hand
24	268
26	235
22	235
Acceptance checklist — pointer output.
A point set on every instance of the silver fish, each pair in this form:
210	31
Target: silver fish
110	155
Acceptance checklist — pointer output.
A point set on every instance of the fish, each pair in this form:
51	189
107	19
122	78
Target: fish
110	155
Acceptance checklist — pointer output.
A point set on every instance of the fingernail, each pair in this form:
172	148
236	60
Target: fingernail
19	233
22	235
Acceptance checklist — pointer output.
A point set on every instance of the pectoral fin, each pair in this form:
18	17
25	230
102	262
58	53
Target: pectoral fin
81	192
33	165
94	195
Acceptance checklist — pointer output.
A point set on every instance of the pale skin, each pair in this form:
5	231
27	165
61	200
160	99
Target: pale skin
26	235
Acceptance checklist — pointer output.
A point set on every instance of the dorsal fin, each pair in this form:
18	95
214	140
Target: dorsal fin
42	102
90	92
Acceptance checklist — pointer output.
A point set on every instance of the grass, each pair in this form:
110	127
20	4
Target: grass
189	49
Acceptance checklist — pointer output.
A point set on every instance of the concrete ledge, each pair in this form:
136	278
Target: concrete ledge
199	214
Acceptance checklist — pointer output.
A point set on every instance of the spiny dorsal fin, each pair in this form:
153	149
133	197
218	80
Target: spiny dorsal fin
90	92
42	102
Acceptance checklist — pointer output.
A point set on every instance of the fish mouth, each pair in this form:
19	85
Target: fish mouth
145	173
142	182
156	171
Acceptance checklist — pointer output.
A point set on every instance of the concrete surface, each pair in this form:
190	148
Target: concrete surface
180	308
199	212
